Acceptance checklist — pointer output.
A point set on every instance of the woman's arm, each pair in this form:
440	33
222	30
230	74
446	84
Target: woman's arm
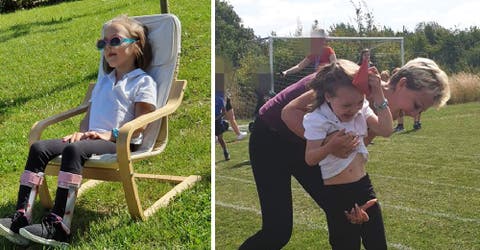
292	113
316	151
301	65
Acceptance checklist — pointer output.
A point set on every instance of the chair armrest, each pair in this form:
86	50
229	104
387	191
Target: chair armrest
126	131
40	126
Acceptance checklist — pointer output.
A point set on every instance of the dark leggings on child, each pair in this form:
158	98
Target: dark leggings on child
74	156
342	233
274	161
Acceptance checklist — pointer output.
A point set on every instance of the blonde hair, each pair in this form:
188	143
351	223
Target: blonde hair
330	77
136	30
424	73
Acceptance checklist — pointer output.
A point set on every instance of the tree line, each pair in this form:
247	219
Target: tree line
455	50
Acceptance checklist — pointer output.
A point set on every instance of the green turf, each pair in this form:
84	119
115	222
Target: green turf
48	57
426	181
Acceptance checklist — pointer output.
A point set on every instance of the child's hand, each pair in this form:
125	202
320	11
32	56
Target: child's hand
77	136
358	215
342	144
107	136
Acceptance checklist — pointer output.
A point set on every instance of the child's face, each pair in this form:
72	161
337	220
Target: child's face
346	102
119	57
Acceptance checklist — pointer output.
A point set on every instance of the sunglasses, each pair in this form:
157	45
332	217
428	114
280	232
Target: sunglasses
114	42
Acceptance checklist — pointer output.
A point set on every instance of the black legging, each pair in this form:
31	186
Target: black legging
342	233
74	156
274	160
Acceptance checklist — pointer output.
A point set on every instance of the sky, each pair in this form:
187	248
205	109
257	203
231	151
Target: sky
282	16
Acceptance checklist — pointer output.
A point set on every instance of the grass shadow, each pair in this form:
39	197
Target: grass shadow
20	100
406	132
20	30
82	220
241	164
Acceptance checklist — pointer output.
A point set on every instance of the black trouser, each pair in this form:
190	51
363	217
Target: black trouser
343	234
74	156
274	160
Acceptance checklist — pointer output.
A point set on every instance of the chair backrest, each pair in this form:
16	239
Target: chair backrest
164	35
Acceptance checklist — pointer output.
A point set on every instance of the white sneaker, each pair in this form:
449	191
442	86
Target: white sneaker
241	136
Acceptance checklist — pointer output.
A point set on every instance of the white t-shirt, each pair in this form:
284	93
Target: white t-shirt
113	105
322	121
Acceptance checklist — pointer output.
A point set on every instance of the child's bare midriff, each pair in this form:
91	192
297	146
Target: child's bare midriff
354	172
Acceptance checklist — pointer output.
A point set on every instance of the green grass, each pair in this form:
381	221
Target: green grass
48	57
426	181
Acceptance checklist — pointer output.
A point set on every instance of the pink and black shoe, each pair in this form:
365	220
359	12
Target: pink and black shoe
52	231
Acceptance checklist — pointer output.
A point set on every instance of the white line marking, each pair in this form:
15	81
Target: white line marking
237	207
408	209
426	182
435	214
299	222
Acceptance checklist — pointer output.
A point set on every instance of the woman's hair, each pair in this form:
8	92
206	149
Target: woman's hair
331	77
136	30
423	73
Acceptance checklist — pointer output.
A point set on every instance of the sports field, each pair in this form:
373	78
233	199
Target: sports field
427	182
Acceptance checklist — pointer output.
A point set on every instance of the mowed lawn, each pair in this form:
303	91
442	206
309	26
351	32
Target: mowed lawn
48	58
427	182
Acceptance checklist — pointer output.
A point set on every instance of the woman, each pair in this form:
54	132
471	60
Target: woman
277	145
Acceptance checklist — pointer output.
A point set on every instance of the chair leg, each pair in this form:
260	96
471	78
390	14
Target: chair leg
44	194
132	198
87	185
180	187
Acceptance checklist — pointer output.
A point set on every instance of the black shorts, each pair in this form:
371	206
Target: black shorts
220	126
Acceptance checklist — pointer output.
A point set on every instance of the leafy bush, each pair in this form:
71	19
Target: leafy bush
13	5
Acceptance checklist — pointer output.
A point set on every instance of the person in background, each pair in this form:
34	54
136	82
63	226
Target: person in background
230	115
220	124
321	54
416	122
365	55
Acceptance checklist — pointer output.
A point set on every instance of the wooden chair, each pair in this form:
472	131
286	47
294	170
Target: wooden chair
164	36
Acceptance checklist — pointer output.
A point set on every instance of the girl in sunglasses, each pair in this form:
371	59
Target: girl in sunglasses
122	94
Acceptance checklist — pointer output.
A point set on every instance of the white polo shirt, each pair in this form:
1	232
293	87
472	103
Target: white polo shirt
322	121
112	105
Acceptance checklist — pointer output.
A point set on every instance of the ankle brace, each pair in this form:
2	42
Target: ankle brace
71	182
32	180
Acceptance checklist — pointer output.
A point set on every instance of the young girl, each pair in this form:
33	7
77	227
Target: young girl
124	93
341	106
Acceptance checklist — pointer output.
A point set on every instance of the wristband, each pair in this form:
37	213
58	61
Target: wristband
115	133
381	106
